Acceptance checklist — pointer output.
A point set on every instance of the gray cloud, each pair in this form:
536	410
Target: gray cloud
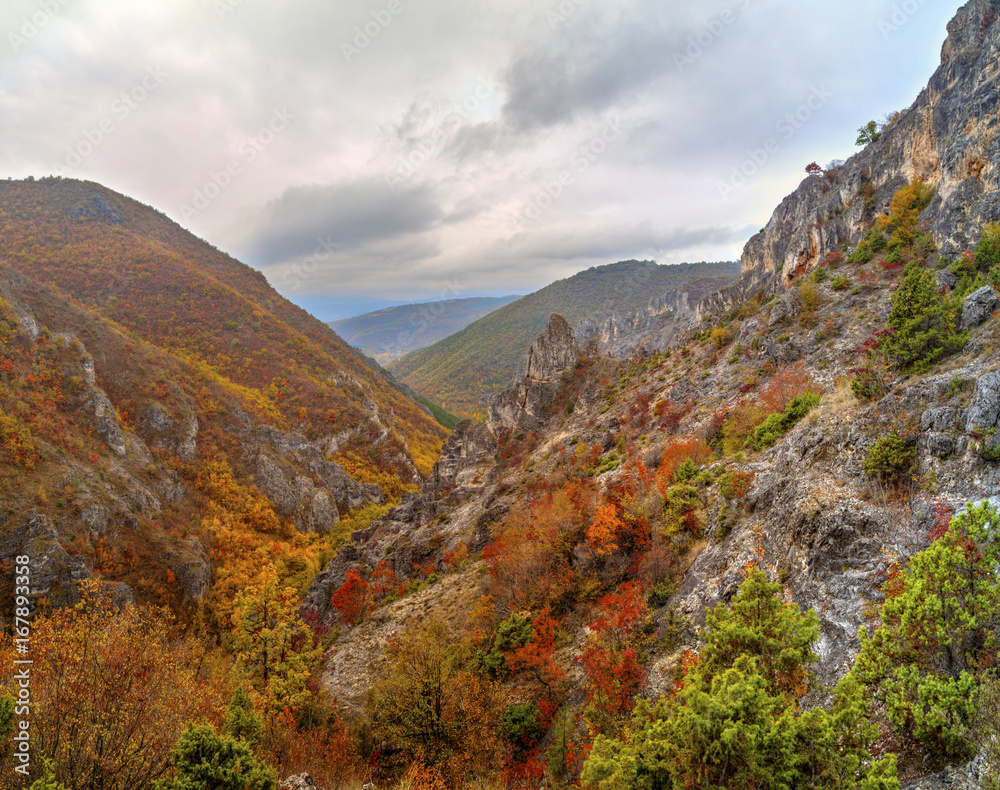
469	110
350	214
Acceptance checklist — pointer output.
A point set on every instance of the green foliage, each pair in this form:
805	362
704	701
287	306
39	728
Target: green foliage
520	723
242	722
513	632
486	355
48	780
204	760
449	421
757	623
660	594
6	724
686	471
869	133
736	722
988	249
890	459
558	754
937	637
776	425
840	283
924	323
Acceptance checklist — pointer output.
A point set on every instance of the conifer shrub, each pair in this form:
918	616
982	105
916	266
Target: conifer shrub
937	638
734	720
988	249
774	427
890	459
924	323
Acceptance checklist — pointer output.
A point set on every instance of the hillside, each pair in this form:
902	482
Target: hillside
464	370
754	547
160	400
657	555
388	334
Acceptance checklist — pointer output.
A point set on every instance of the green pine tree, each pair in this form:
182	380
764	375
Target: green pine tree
204	760
923	320
737	723
938	634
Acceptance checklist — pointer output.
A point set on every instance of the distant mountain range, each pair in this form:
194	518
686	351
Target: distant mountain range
392	332
464	370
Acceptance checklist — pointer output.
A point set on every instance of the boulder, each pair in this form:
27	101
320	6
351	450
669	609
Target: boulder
978	308
786	308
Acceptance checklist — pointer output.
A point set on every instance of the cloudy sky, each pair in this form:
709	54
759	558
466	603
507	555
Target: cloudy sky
366	151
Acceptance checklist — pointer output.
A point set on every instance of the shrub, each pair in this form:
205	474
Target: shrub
924	324
772	429
890	459
809	294
840	283
937	636
734	719
204	759
988	249
721	337
520	724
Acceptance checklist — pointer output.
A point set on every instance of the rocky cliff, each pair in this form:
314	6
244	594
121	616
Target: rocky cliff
948	137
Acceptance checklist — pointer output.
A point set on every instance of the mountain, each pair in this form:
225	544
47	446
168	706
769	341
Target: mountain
464	370
390	333
160	404
659	554
759	550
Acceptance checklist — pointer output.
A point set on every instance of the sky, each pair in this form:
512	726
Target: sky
368	152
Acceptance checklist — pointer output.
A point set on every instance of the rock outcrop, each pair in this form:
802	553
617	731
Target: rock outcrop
295	474
523	407
978	307
425	526
947	137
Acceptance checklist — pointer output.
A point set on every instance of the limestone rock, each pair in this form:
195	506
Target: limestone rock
947	137
984	410
787	307
523	407
978	308
298	782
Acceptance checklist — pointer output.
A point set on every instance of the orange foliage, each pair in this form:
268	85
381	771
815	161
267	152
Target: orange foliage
603	532
786	385
691	448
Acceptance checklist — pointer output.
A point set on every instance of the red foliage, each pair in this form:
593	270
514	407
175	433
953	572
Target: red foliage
611	661
942	518
534	658
352	599
680	450
786	385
